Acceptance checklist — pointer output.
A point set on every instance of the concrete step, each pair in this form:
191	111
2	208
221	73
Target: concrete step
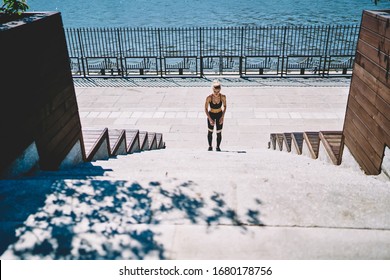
297	142
324	145
311	144
144	141
132	141
331	146
96	143
117	142
145	202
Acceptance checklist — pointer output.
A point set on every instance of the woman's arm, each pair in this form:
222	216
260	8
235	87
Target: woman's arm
206	109
223	97
224	104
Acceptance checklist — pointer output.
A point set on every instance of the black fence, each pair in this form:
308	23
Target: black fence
243	51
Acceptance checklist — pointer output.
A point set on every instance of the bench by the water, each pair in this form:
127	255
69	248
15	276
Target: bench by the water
261	65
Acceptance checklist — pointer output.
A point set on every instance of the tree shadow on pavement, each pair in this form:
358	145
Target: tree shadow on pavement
104	219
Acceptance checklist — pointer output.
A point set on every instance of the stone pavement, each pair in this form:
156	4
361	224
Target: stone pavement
183	202
254	109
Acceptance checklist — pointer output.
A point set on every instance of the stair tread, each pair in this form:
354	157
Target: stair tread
332	142
312	141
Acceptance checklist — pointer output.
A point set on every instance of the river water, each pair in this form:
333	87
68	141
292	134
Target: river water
201	13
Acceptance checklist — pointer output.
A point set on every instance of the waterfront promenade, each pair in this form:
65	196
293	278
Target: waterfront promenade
183	202
175	107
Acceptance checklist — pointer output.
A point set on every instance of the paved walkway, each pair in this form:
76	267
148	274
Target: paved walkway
184	202
253	111
194	204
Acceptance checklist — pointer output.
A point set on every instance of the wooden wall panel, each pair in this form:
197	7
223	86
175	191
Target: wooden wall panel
356	150
379	88
365	137
381	74
367	122
371	38
374	54
361	124
377	21
38	99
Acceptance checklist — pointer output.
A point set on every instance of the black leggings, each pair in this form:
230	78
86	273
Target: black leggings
215	117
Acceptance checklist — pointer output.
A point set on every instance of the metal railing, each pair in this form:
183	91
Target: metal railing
274	51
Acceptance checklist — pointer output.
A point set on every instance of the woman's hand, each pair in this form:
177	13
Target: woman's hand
211	121
221	120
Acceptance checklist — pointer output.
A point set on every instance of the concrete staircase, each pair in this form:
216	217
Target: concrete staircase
191	204
103	144
325	145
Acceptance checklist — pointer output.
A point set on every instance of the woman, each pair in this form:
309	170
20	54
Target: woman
215	114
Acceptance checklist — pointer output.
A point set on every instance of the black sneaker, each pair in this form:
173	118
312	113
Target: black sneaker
210	148
218	149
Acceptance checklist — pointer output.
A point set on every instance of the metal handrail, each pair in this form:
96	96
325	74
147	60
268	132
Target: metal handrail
228	45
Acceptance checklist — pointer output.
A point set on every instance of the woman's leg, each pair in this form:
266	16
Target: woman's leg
219	139
210	133
210	138
219	131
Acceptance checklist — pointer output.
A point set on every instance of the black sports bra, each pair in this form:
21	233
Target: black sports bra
215	106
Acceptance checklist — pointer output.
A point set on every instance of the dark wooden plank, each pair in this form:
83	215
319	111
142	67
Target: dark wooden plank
143	140
60	138
52	103
358	153
46	110
279	141
273	141
49	128
367	133
50	157
373	21
374	120
99	144
69	107
58	155
372	82
362	88
370	22
312	140
367	122
92	140
77	137
352	131
297	140
358	87
354	148
152	141
117	137
375	40
132	139
376	55
159	138
331	140
380	73
287	141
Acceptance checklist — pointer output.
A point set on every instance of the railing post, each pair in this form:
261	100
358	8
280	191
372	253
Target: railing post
326	51
241	52
200	52
82	52
160	50
284	50
91	44
120	50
